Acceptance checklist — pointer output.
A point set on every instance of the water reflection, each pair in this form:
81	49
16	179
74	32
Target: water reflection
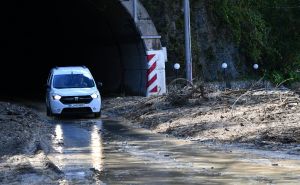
97	146
137	156
78	148
58	139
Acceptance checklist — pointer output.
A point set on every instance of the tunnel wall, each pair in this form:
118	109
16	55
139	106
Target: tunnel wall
151	43
100	34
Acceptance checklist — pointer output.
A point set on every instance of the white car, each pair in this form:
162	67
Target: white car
72	90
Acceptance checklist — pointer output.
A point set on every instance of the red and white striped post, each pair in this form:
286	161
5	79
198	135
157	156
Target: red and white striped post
152	86
156	80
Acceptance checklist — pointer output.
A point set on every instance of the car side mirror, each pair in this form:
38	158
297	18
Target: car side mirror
99	84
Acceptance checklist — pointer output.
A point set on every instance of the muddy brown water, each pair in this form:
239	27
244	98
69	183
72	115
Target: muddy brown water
95	151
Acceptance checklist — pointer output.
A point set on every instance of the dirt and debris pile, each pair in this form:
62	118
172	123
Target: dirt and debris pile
250	116
180	91
21	130
24	144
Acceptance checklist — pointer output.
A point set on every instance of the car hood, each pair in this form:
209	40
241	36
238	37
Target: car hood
75	91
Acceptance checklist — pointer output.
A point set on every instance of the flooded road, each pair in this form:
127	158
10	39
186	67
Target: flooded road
94	151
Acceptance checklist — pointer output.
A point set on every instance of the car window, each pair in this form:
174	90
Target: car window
63	81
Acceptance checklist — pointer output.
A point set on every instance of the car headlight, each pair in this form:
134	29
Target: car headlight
94	95
56	97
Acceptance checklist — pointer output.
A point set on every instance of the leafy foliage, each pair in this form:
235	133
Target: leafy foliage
266	31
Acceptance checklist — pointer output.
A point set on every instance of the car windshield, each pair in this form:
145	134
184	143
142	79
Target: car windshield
64	81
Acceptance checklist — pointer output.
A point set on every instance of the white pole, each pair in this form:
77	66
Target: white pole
188	58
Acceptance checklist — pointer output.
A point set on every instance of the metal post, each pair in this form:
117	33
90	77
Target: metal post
176	67
225	79
135	10
188	58
224	67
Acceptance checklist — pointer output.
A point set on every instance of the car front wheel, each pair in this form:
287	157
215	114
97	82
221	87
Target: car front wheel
49	112
97	114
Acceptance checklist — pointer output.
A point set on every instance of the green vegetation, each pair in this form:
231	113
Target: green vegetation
266	31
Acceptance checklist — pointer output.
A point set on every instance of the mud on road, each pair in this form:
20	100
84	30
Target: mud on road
266	119
263	118
21	130
24	143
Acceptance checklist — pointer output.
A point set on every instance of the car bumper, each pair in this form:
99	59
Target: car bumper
58	107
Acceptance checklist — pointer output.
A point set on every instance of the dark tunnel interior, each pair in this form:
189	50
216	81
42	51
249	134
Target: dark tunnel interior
39	35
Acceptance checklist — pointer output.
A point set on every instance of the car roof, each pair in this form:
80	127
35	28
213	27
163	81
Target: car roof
71	69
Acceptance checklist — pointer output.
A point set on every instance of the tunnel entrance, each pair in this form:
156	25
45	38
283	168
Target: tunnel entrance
38	35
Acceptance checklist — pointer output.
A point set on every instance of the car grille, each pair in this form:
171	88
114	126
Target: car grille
82	110
75	99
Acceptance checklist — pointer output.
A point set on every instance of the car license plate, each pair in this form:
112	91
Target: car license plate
76	105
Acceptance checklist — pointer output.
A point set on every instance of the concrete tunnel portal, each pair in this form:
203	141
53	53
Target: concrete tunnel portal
99	34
